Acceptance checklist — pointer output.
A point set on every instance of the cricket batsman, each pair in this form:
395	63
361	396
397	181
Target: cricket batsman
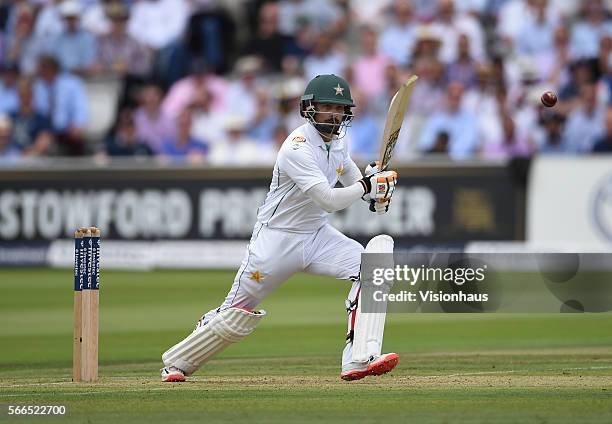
292	234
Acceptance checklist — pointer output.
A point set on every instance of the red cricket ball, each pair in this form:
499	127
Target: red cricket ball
549	99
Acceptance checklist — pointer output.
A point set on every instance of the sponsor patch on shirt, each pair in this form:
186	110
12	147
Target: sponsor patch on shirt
297	140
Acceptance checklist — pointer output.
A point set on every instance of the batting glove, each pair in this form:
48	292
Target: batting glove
372	168
380	207
379	187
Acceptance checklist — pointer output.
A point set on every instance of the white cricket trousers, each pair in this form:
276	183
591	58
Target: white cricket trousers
273	256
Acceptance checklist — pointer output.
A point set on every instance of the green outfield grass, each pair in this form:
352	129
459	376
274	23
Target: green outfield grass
453	368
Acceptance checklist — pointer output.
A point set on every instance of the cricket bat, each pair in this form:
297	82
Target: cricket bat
395	117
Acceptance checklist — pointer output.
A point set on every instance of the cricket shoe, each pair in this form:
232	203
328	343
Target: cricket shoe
172	375
376	365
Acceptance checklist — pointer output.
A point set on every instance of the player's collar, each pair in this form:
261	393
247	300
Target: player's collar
316	138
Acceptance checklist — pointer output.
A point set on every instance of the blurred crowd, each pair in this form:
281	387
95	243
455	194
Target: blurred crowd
219	82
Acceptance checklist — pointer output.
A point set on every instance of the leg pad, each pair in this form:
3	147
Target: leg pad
369	327
227	327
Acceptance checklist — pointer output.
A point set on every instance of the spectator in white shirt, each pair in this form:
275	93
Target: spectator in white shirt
9	153
451	25
156	23
241	96
289	93
322	15
588	32
368	12
553	65
237	149
537	33
397	39
325	59
483	101
95	18
585	124
266	120
428	42
430	88
49	23
75	48
62	98
207	123
513	15
474	7
430	92
458	126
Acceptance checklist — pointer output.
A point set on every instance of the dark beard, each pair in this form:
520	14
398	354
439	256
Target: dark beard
328	128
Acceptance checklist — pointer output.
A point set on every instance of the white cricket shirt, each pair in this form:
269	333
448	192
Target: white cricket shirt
302	162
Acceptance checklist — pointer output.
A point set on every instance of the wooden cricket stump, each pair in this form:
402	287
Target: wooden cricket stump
86	304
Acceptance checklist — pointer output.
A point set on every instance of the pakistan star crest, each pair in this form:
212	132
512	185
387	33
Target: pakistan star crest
256	276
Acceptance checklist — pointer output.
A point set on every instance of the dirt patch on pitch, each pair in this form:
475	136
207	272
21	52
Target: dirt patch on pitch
390	381
600	351
506	380
288	383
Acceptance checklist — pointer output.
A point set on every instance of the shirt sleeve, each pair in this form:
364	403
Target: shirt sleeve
335	199
300	165
350	172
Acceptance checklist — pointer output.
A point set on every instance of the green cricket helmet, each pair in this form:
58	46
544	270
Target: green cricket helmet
329	89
